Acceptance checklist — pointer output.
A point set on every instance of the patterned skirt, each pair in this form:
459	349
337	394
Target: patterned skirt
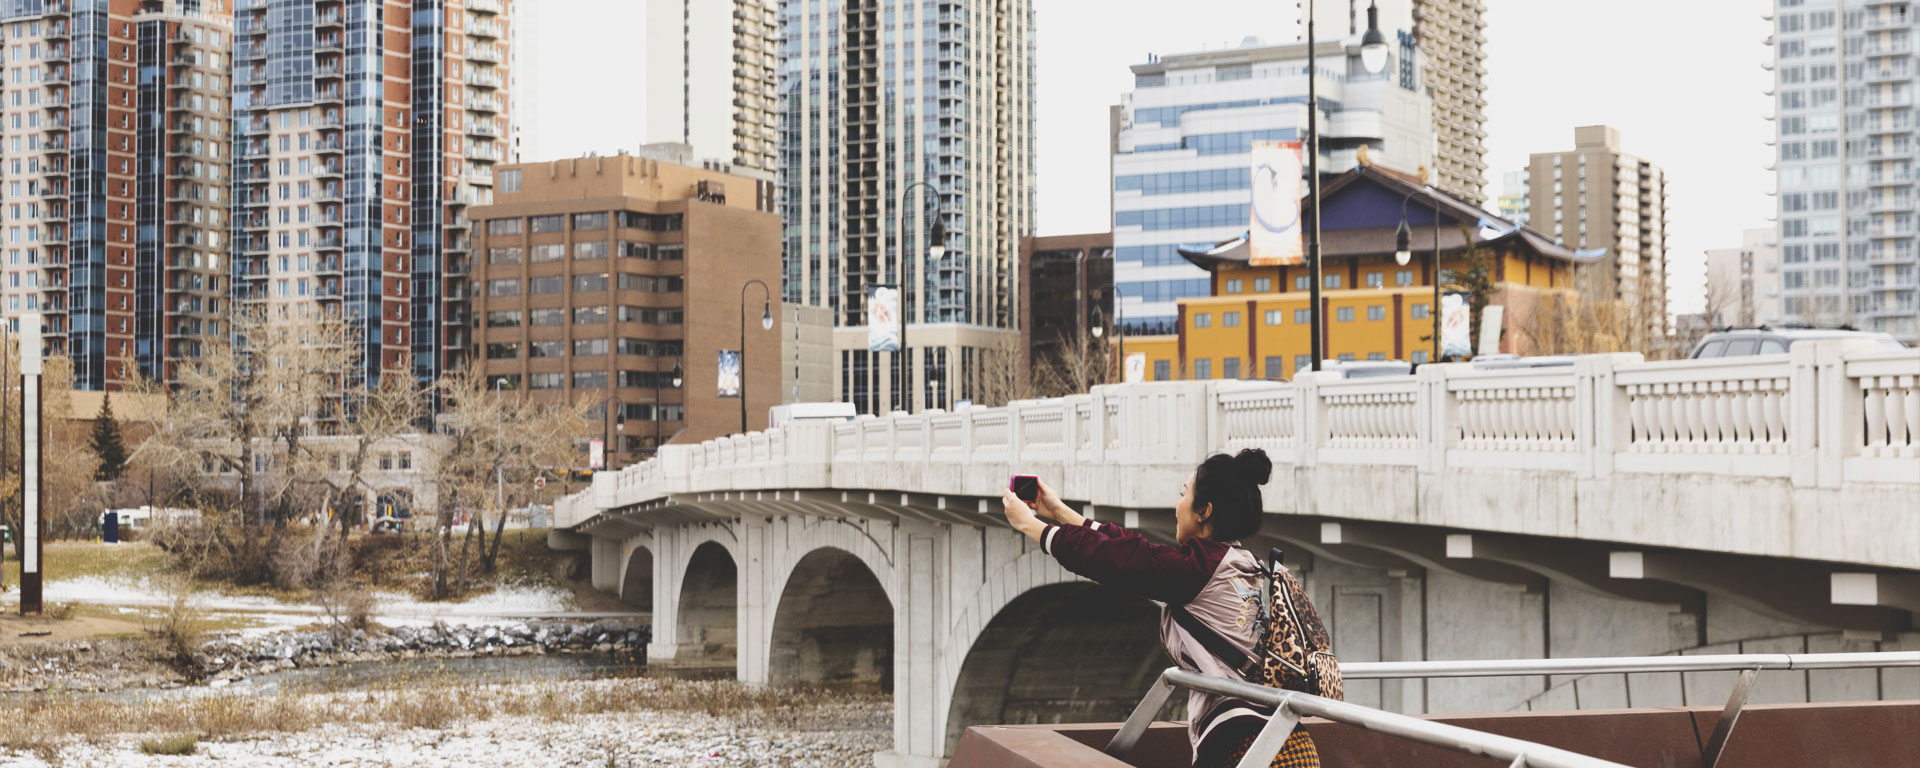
1299	751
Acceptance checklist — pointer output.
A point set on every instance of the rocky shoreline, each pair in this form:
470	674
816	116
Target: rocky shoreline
221	662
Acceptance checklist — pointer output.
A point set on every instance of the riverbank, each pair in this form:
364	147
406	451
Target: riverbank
627	722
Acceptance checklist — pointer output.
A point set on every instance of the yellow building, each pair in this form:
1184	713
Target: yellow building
1257	323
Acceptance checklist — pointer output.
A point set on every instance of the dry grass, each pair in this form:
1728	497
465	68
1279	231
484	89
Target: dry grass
178	630
66	560
177	744
42	726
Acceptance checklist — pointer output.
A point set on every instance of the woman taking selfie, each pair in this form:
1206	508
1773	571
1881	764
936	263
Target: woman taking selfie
1205	574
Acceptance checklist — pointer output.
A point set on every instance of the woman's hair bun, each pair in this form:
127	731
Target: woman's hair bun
1253	464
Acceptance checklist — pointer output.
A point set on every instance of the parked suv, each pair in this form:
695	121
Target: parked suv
1762	340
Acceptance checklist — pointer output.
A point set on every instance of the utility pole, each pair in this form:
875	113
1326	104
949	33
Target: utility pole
30	443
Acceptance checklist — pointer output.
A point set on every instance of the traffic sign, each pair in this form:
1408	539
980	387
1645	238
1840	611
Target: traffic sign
539	482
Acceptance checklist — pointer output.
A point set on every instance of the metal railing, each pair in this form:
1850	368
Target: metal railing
1290	706
1749	665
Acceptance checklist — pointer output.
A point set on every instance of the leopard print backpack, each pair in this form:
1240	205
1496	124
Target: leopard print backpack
1292	649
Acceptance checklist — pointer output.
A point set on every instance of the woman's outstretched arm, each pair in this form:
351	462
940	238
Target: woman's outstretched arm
1122	559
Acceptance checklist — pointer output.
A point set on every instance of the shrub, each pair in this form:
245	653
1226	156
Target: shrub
177	744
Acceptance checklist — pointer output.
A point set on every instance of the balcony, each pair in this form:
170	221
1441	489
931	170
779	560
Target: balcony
482	127
484	6
327	43
483	30
329	146
483	103
326	20
483	79
59	31
484	53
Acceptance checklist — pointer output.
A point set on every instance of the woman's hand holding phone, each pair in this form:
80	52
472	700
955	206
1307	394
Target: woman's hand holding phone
1049	504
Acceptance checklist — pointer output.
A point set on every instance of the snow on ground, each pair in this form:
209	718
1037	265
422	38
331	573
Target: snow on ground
272	615
849	736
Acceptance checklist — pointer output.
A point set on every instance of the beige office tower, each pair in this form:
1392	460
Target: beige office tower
1596	196
897	113
712	69
1743	284
1452	35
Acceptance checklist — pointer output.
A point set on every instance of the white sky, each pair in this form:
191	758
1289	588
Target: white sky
1680	80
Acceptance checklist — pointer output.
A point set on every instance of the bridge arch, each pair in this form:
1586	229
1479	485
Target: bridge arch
636	576
1061	649
833	623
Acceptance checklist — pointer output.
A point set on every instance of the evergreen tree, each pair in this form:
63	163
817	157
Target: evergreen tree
107	443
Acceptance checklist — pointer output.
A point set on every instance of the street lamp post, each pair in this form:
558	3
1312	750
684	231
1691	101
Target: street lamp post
678	377
766	323
617	413
1402	254
936	249
1373	55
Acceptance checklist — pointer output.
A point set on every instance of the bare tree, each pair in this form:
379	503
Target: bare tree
1071	366
1000	380
1563	324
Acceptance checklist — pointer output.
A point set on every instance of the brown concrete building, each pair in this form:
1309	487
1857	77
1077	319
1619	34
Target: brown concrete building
1596	196
595	276
1068	291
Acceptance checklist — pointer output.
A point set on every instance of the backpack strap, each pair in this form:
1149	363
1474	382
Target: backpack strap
1211	640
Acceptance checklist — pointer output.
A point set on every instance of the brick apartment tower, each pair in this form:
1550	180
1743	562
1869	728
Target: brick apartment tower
363	131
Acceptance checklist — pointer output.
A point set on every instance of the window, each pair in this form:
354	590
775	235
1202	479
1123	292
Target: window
1403	278
548	224
1203	320
509	181
1302	317
545	348
1344	314
1345	358
1302	364
582	283
1303	283
1419	356
588	347
545	381
1161	370
1230	319
1233	286
504	256
503	287
1376	280
549	317
548	284
508	319
503	227
1230	368
552	252
1202	369
1274	372
503	351
1332	282
589	221
1263	285
589	379
1419	312
1377	313
589	315
1273	317
1376	356
587	251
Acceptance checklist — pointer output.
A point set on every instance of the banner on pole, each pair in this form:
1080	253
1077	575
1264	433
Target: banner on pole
1456	326
596	454
883	320
1274	229
1490	329
729	378
1136	368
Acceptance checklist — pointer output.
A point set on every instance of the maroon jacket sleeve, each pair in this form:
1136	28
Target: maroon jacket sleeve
1125	560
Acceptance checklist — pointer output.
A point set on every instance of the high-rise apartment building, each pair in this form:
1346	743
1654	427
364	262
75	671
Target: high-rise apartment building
363	131
890	99
1451	38
523	110
1513	201
601	275
1184	158
113	172
1743	284
1844	144
1596	196
712	80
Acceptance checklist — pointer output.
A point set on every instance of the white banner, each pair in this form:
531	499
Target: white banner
1456	326
1136	368
883	320
1274	226
596	454
1490	329
729	376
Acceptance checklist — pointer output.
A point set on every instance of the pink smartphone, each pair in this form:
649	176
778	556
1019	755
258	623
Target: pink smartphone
1027	487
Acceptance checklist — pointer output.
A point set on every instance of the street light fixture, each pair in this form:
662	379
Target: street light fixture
766	323
1374	59
1373	45
936	250
1403	253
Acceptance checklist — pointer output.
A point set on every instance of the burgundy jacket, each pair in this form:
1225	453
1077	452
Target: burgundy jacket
1215	582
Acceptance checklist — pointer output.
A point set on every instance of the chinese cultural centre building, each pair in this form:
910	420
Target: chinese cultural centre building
1257	324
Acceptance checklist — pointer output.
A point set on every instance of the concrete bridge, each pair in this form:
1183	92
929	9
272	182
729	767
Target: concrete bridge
1615	507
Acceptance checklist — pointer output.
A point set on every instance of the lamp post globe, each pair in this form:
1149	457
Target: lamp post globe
766	317
678	377
1373	45
1403	244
